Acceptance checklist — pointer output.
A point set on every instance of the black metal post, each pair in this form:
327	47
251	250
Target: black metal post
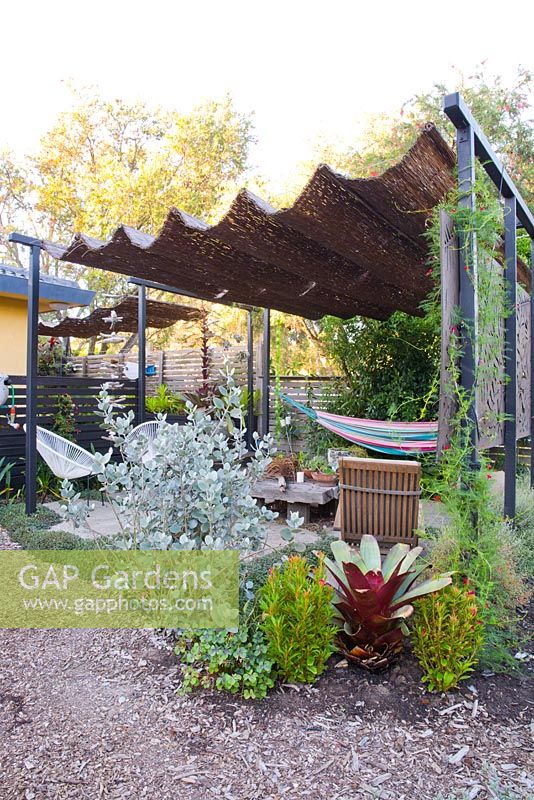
31	380
250	378
141	342
510	357
532	366
266	370
467	261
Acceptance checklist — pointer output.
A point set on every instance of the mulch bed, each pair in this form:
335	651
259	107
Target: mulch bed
89	714
94	714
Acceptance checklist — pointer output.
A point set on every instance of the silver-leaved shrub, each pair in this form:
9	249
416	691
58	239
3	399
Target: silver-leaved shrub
189	487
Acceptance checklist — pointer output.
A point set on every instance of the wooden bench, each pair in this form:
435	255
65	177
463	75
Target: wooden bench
299	497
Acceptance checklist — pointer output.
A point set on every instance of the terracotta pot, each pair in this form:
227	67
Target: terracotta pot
324	477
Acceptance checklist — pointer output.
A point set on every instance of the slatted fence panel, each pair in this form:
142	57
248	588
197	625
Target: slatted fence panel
297	388
181	370
83	391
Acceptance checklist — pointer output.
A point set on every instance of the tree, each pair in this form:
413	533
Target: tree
503	112
106	163
388	367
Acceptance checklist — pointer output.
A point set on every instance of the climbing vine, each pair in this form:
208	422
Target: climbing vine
477	543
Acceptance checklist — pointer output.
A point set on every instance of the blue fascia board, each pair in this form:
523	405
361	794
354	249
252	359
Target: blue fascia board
48	290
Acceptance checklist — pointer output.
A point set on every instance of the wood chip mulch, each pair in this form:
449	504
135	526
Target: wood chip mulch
94	714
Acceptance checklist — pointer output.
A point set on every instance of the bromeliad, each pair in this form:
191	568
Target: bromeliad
372	599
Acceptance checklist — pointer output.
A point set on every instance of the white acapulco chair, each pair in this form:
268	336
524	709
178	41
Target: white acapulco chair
66	459
147	430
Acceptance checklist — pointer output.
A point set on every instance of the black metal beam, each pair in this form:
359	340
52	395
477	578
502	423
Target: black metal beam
31	380
163	287
458	112
510	356
20	238
250	379
141	359
266	370
467	263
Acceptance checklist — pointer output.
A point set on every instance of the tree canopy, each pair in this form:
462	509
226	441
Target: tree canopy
104	163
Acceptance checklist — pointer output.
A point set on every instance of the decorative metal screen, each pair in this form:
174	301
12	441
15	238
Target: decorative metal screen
524	334
490	390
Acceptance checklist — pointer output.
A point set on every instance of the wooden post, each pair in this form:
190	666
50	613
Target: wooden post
467	264
510	357
141	343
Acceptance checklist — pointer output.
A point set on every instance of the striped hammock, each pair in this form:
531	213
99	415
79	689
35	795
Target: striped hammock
393	438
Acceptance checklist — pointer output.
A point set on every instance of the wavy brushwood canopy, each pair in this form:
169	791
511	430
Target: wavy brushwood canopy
345	247
158	315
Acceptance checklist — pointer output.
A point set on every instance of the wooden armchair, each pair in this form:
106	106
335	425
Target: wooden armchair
380	497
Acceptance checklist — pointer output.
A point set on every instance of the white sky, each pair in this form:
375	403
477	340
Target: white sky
304	67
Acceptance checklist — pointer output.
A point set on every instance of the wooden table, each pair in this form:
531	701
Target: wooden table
298	496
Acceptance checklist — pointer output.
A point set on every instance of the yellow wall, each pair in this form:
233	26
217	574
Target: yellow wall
12	336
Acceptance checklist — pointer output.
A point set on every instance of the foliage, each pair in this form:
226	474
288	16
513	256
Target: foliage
319	464
255	571
296	620
523	533
32	532
501	110
371	599
6	468
165	401
389	367
234	661
191	489
256	398
50	357
65	417
447	636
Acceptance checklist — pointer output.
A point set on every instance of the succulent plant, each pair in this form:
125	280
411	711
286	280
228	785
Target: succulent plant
372	599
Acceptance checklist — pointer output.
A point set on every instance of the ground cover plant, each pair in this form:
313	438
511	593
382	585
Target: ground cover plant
33	533
296	619
232	661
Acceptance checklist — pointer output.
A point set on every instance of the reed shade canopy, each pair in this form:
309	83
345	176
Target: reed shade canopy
345	247
158	315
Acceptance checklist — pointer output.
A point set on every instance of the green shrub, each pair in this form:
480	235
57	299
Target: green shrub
165	402
447	637
235	662
255	571
297	620
524	527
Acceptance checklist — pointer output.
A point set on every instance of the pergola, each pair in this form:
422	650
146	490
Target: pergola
345	247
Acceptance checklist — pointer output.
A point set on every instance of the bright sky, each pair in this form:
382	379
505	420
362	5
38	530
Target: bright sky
304	67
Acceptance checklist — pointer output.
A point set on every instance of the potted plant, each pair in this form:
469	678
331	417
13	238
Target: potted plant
320	471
